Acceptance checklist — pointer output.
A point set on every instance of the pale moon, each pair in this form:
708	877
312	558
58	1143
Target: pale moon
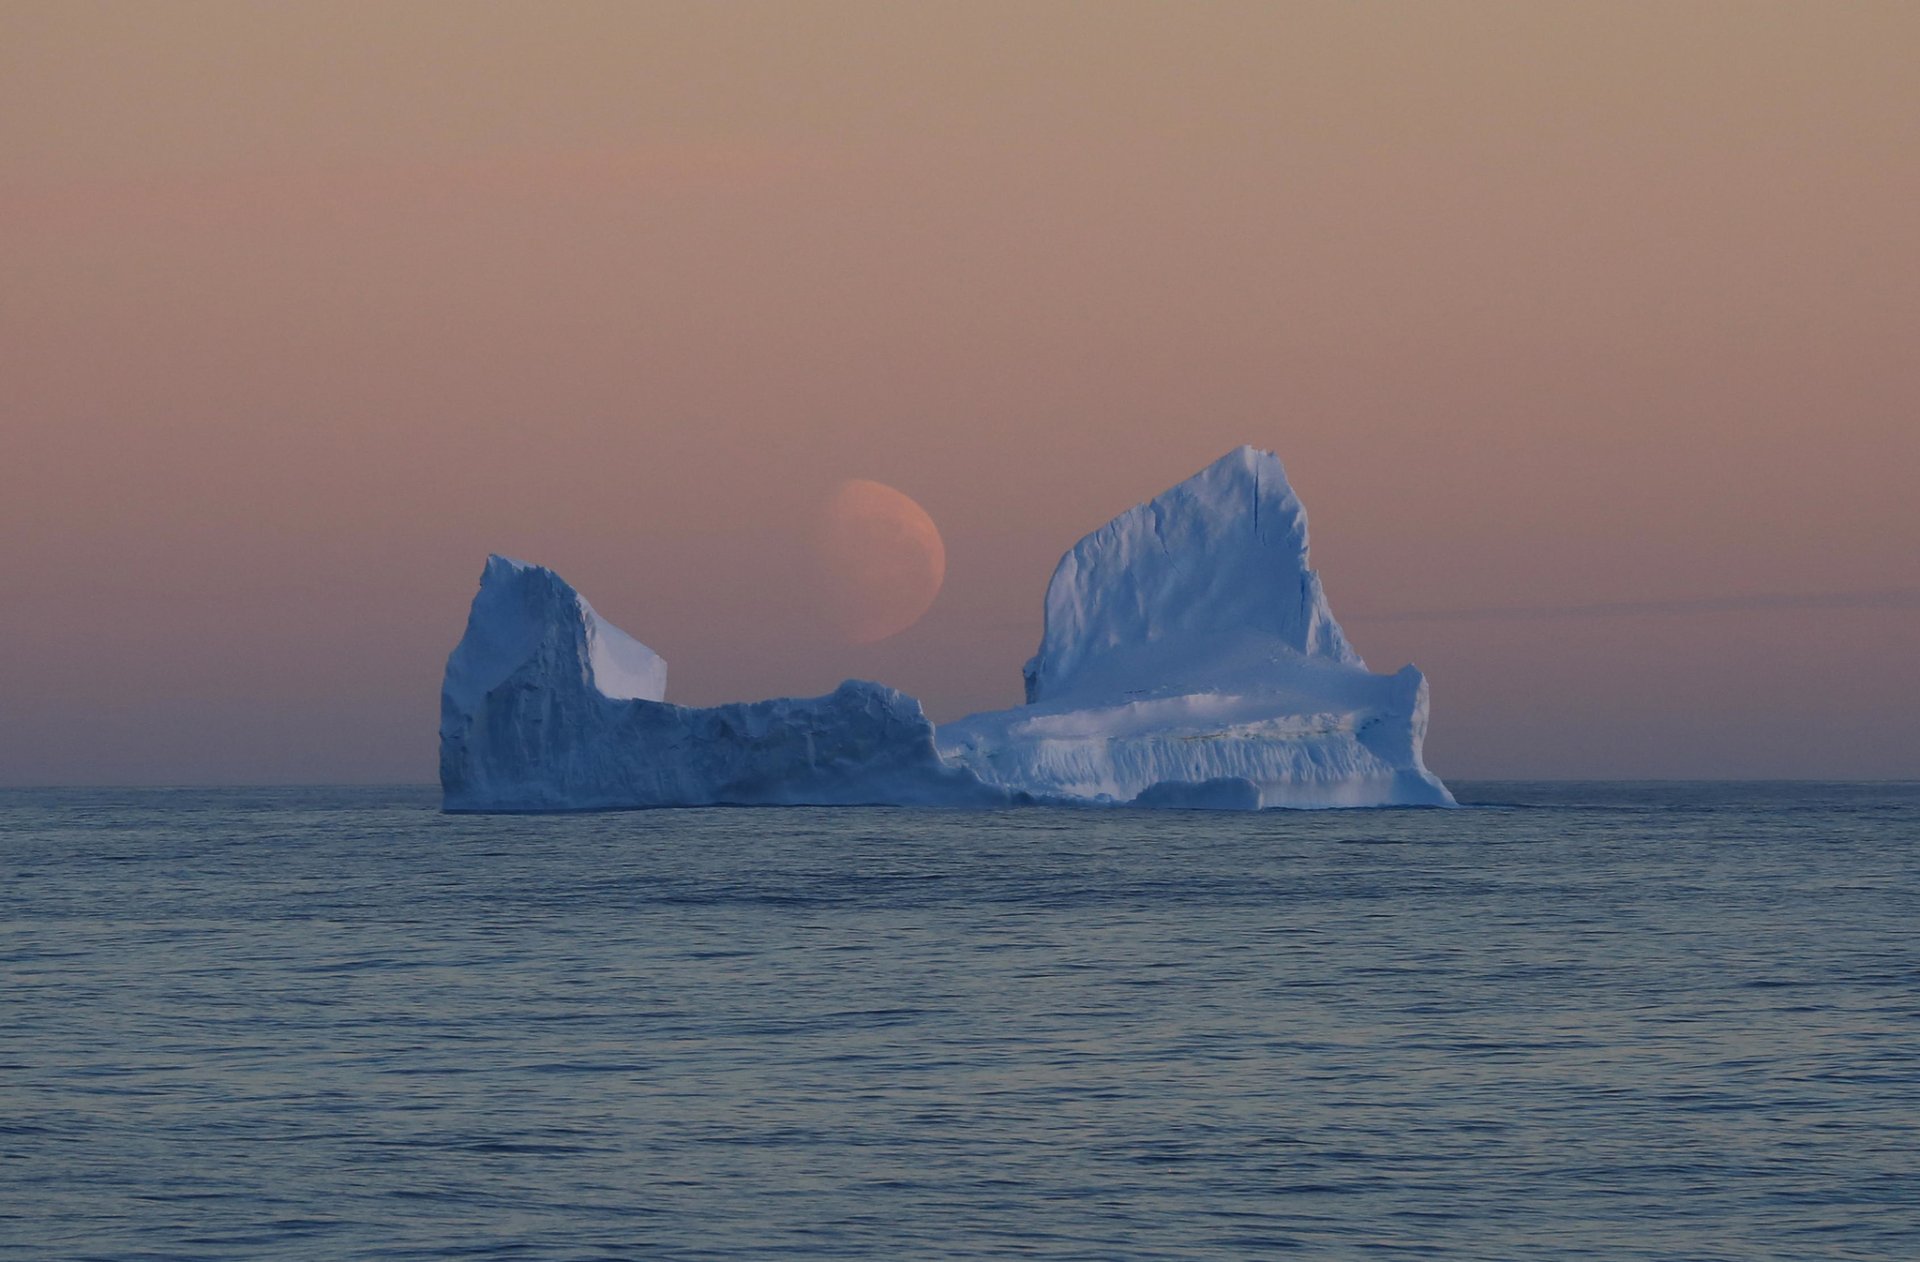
882	557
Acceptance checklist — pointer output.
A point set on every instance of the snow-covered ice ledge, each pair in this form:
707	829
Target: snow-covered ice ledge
1189	659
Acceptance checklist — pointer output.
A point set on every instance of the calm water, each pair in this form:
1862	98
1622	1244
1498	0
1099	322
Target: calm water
1641	1021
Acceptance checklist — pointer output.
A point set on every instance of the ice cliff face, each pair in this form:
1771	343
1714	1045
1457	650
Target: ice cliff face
1178	588
1189	659
548	707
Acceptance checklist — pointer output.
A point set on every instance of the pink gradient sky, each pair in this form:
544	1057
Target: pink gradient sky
303	310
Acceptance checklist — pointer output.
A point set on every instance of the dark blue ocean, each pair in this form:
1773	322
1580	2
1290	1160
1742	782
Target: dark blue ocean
1675	1021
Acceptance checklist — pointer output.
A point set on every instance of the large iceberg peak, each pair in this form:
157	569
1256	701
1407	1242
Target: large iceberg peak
1161	592
1190	660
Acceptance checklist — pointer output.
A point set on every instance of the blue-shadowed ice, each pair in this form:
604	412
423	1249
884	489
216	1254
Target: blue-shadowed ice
548	707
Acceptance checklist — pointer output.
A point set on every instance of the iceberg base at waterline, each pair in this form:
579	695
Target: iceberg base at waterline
1189	660
1219	750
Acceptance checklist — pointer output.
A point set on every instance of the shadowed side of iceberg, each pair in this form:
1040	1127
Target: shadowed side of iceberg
548	707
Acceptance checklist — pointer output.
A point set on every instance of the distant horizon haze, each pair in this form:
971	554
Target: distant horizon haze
1586	334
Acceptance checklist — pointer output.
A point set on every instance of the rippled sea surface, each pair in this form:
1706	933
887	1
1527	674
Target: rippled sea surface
1583	1021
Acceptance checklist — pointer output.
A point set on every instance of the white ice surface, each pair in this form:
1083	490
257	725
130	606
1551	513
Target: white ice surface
1188	643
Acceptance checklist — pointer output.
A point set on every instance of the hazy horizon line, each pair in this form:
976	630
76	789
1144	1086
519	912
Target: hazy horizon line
1894	598
430	786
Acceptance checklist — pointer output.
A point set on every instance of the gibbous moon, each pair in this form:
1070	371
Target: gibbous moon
883	560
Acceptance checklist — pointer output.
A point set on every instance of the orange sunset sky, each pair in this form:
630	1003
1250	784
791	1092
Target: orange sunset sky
305	309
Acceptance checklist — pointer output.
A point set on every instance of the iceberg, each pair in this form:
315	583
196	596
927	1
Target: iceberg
1189	660
546	706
